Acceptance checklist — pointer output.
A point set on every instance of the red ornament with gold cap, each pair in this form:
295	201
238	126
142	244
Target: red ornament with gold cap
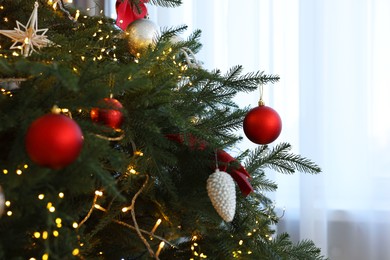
262	125
54	141
109	114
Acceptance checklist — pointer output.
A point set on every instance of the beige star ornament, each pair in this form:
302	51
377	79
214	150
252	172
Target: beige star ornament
28	37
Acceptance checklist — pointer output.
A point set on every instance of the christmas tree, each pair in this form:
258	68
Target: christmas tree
115	143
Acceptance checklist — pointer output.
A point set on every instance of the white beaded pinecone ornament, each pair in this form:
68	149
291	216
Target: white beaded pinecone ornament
222	193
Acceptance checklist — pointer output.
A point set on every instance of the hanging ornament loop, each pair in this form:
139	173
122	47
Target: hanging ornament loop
261	90
111	84
216	159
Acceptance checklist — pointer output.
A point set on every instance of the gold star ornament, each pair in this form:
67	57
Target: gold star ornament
28	37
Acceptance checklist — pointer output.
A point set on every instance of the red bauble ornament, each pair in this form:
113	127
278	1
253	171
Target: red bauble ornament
262	125
54	141
111	115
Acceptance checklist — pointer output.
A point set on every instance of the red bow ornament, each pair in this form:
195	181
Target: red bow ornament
239	174
127	12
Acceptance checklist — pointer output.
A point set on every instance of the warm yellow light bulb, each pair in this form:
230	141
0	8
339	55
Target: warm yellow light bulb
5	171
75	225
158	222
139	153
77	15
75	251
160	247
37	234
41	196
97	206
61	195
45	257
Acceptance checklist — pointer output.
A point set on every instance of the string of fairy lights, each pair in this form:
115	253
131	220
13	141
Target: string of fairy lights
54	230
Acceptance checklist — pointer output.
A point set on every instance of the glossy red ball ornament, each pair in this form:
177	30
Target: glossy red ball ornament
54	141
111	115
262	125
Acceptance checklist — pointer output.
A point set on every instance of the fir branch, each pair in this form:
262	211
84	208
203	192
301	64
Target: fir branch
166	3
162	3
194	40
246	83
233	73
303	250
270	78
281	160
264	184
169	32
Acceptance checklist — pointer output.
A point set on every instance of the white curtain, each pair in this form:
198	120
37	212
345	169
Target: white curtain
333	57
